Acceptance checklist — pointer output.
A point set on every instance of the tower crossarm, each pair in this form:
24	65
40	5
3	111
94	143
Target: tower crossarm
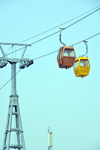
13	60
17	44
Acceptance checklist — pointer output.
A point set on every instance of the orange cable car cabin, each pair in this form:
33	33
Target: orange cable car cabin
81	67
66	57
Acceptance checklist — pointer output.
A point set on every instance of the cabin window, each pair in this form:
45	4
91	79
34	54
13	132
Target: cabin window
69	53
59	54
76	64
84	63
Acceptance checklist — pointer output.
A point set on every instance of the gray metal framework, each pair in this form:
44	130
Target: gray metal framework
14	137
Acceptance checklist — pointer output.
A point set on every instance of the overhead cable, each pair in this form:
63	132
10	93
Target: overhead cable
8	81
14	51
50	54
60	25
57	31
67	26
70	45
54	34
86	39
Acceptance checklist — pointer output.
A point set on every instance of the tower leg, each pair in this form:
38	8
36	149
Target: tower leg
14	130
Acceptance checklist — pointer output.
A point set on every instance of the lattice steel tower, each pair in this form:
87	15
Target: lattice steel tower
14	137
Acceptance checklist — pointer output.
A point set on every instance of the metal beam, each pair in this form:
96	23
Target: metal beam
13	59
18	44
2	51
23	52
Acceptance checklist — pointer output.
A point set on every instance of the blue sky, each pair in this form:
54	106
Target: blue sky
49	96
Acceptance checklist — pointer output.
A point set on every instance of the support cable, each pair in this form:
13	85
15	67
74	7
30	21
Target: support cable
50	54
8	81
67	26
70	45
59	25
57	31
86	39
14	51
53	28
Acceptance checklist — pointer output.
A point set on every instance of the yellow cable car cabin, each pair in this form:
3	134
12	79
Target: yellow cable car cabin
66	57
81	67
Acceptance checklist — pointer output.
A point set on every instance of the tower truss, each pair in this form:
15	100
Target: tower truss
14	136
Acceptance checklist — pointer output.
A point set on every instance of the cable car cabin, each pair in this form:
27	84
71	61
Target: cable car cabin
66	57
81	67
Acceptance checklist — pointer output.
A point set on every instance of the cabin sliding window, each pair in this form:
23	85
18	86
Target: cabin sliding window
84	63
69	53
76	64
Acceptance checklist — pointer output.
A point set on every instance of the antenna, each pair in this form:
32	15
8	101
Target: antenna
14	111
50	139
